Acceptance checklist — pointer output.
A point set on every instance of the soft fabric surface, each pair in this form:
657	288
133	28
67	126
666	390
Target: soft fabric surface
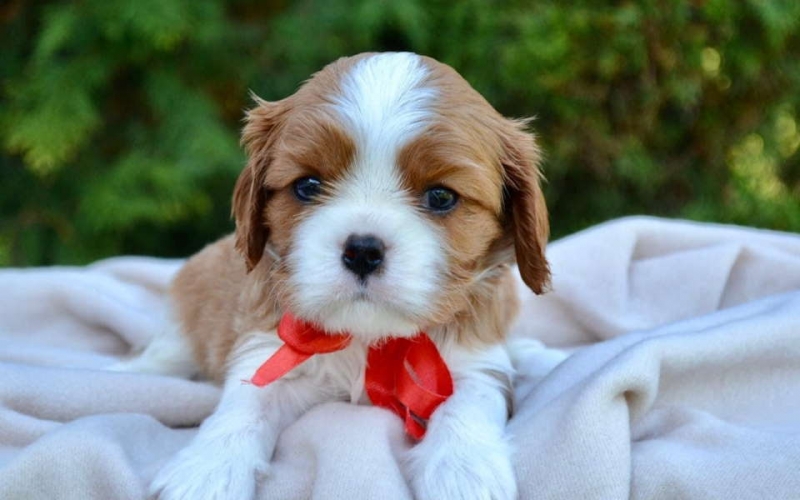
683	379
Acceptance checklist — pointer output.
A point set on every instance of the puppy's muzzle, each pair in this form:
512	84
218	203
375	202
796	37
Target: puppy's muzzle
363	254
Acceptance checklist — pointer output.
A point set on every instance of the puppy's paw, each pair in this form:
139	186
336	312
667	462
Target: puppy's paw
212	470
461	470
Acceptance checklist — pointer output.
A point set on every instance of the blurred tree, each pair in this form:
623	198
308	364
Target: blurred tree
119	118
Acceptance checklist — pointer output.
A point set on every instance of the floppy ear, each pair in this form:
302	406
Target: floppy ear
526	209
249	195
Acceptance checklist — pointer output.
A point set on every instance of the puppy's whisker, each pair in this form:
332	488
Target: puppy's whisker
276	258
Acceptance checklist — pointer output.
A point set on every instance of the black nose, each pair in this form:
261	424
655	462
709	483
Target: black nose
363	254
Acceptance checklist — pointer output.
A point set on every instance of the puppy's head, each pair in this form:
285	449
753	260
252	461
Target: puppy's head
386	189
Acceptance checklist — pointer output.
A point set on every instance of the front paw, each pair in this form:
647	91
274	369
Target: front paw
461	470
212	470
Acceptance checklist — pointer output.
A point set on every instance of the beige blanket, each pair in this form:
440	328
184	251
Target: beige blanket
683	379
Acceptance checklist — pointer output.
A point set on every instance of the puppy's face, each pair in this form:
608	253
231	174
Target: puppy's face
388	191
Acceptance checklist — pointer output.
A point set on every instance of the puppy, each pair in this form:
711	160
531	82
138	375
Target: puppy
385	198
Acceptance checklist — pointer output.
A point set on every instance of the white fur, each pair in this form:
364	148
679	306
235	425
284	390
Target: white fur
169	353
393	300
383	104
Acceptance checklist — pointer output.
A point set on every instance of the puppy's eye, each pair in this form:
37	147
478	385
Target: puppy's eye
440	199
307	188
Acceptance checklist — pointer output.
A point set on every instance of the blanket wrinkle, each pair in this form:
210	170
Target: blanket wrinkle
664	363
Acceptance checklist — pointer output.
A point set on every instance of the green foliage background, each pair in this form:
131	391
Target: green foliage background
119	119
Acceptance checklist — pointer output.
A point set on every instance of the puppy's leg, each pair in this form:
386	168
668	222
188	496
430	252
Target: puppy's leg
234	445
464	454
168	353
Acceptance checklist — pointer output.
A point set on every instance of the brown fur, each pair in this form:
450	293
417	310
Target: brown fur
488	159
208	296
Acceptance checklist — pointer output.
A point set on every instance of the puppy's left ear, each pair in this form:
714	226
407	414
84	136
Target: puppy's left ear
525	205
249	196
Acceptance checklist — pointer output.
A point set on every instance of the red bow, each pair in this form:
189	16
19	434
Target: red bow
405	375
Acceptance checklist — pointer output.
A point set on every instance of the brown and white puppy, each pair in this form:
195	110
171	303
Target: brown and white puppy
386	197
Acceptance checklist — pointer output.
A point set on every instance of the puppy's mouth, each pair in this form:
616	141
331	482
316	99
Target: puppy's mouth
362	295
365	316
377	297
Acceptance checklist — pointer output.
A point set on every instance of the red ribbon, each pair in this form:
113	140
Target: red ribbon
301	341
405	375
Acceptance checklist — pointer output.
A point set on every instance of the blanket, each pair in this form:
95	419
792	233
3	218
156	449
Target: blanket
680	379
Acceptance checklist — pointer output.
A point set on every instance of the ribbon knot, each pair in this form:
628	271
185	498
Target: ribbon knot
405	375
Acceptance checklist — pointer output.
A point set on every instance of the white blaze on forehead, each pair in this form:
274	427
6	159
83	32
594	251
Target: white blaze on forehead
383	104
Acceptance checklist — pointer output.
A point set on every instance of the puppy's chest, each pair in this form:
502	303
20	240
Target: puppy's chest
341	372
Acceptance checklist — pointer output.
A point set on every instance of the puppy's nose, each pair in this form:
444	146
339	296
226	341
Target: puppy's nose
363	254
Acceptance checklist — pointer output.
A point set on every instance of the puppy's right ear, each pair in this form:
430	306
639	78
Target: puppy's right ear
262	124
